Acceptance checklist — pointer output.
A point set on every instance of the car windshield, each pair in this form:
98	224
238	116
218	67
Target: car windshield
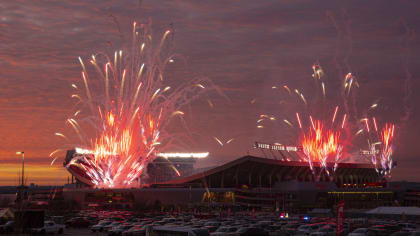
222	229
400	233
360	231
201	232
242	230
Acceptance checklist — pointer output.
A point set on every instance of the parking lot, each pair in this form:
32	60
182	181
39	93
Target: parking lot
81	232
127	223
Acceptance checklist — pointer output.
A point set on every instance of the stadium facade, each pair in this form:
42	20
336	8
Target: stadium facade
251	181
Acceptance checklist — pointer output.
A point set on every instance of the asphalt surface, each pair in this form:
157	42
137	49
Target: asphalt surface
82	232
71	231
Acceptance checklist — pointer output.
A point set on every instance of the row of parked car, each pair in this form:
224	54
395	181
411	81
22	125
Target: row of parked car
387	228
125	223
50	227
265	225
195	226
361	227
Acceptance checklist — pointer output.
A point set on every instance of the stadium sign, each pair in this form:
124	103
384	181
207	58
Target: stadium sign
368	152
277	147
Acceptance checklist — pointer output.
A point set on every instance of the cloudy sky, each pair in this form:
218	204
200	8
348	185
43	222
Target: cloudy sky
244	47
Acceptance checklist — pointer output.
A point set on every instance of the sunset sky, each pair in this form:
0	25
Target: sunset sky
244	46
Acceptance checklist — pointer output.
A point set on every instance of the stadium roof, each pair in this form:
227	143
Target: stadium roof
257	171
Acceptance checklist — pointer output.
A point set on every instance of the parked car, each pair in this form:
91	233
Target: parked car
100	226
248	231
224	230
111	226
408	226
289	229
376	232
8	227
116	231
179	231
211	226
137	230
324	231
359	232
273	228
49	227
78	222
307	229
401	233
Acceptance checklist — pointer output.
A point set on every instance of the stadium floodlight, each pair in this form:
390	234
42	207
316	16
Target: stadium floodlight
183	155
23	166
83	151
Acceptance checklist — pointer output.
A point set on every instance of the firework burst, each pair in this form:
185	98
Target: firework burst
129	106
325	139
322	146
381	147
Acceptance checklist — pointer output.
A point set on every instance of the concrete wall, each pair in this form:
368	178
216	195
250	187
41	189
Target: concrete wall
75	195
151	195
169	196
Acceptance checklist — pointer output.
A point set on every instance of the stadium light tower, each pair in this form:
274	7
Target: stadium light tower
23	165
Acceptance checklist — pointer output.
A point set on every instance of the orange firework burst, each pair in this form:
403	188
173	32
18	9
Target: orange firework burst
381	157
130	109
320	145
387	137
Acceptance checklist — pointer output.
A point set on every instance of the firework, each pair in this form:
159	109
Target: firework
324	140
218	141
381	151
335	114
298	119
318	72
288	122
322	146
227	142
129	107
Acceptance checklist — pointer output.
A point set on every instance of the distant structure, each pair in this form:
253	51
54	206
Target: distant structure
169	166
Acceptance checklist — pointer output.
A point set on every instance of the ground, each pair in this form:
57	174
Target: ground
82	232
76	232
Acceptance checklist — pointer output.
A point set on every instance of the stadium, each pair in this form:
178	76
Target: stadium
248	181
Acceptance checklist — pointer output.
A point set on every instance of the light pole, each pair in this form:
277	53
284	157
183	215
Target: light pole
23	166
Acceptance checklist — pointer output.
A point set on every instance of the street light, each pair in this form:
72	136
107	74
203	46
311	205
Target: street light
23	165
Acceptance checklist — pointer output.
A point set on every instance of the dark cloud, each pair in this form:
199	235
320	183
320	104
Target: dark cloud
245	47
